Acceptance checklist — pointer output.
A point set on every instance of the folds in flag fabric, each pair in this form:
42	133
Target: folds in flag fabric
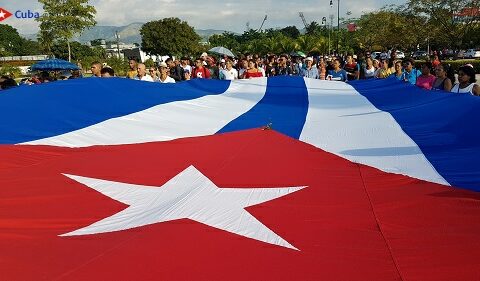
263	179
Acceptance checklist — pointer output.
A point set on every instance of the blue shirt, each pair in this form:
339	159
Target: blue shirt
312	73
411	77
341	75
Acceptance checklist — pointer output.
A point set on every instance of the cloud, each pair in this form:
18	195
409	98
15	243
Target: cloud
214	14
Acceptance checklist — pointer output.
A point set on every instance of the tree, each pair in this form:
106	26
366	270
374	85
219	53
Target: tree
228	40
96	42
390	28
80	52
9	39
450	21
312	44
291	31
314	28
62	19
11	43
169	36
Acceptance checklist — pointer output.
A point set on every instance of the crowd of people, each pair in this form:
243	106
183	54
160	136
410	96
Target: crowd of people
432	75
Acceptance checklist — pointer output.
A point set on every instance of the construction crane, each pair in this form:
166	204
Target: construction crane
303	20
264	20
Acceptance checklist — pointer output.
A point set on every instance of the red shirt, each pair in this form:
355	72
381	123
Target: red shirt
253	74
201	72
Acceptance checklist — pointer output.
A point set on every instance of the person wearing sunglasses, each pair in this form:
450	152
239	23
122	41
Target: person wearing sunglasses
154	73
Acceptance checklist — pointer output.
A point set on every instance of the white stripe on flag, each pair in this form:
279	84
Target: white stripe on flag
198	117
342	121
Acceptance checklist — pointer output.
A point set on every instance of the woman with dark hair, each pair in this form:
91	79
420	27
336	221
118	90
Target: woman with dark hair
385	69
426	79
450	73
398	73
466	79
7	83
442	82
369	69
253	71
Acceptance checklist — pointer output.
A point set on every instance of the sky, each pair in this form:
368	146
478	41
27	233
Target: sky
206	14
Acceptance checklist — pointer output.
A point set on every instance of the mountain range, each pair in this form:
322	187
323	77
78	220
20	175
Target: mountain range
128	33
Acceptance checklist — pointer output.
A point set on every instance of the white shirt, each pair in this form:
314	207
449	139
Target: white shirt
229	74
147	78
167	80
187	67
262	70
466	90
369	73
241	71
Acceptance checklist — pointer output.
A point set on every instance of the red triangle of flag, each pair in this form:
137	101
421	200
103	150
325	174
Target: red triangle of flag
4	14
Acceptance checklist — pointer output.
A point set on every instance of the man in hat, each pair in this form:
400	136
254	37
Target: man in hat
163	77
310	71
185	64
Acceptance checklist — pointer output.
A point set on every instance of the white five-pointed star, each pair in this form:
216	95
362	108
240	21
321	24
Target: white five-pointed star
2	14
189	195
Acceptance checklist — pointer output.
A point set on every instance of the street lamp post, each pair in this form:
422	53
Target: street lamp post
324	24
338	20
329	33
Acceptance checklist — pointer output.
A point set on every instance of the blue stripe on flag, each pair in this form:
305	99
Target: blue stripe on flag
285	110
40	111
444	126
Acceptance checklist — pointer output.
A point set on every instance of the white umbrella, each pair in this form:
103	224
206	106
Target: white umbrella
221	51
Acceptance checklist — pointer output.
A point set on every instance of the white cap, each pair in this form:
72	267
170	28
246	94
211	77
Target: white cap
309	59
163	64
222	60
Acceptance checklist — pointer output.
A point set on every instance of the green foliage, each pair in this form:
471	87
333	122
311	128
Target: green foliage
270	41
119	65
227	39
12	44
96	42
62	19
418	23
290	31
315	29
169	36
79	51
442	25
389	28
11	71
149	63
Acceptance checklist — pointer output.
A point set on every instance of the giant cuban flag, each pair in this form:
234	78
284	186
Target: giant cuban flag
264	179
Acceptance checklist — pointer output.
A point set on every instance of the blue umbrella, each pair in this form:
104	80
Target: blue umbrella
54	64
